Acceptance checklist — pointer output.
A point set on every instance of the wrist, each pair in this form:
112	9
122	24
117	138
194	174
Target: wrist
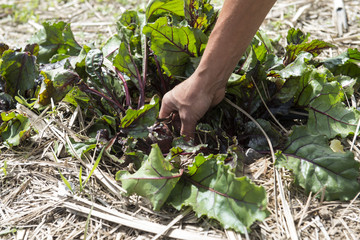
209	79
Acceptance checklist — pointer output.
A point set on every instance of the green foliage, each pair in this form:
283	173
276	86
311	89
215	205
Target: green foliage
55	38
157	8
56	84
118	86
174	45
18	72
4	168
154	180
13	128
318	168
212	189
81	147
136	122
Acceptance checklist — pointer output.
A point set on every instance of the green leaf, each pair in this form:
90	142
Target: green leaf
111	47
332	119
76	97
199	14
6	102
3	48
129	19
256	138
313	84
154	180
19	72
347	63
318	168
81	147
13	127
130	26
314	47
33	49
174	46
327	114
55	38
297	68
157	8
93	63
212	189
67	183
58	58
136	122
126	63
95	165
296	36
56	84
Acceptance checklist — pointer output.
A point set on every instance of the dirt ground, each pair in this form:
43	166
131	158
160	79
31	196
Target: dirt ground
35	204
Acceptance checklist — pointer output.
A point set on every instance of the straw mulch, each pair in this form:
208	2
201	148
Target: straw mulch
36	204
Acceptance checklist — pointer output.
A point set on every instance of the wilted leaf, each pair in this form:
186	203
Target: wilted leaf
336	146
56	84
13	128
154	180
3	48
317	168
212	189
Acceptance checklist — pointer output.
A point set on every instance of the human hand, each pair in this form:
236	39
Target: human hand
191	99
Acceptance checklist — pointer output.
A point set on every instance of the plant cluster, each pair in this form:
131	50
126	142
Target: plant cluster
121	85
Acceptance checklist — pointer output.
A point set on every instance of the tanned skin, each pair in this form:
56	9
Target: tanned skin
236	26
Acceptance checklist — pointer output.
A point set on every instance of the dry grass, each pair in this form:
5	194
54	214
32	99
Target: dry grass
36	204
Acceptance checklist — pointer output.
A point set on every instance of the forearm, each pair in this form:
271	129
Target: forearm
236	26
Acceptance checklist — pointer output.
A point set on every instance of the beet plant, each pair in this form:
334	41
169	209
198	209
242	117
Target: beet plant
122	83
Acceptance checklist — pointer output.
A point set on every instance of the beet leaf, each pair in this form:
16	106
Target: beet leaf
212	189
13	128
157	8
55	38
173	45
154	180
136	122
19	72
318	168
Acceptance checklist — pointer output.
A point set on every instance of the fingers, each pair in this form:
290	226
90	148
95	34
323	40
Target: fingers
188	128
188	117
166	107
188	125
